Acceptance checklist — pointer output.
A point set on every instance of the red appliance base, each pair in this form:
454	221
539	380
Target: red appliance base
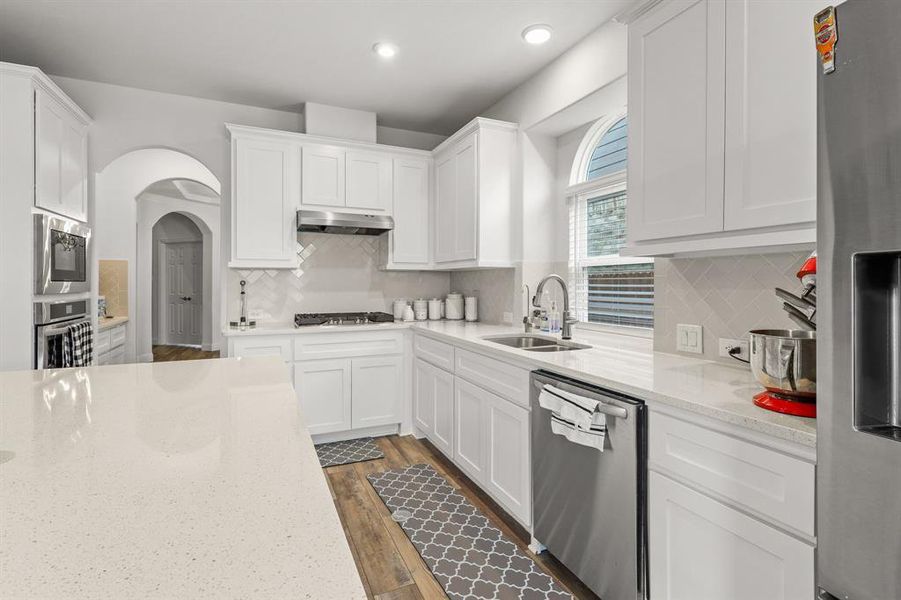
788	406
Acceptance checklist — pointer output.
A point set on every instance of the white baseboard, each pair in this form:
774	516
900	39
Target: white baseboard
340	436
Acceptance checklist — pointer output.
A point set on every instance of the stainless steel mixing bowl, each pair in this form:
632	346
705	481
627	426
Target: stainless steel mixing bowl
784	361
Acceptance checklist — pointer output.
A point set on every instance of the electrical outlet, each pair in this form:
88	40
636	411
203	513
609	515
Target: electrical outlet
690	338
508	318
727	344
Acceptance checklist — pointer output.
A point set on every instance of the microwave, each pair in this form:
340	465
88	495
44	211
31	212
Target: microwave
61	255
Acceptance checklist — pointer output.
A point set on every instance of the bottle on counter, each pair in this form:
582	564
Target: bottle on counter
554	318
543	317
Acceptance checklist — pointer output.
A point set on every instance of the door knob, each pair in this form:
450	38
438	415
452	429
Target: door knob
186	298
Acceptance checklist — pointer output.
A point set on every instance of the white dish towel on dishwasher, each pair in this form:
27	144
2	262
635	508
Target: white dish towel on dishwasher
575	417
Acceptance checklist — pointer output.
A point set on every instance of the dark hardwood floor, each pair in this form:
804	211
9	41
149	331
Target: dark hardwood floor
389	564
168	353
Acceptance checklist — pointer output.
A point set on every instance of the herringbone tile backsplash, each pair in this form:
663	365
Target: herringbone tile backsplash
336	273
728	296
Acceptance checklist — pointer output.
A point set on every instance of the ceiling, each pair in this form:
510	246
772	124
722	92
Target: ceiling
456	57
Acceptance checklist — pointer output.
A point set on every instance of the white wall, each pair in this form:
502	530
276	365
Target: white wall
172	227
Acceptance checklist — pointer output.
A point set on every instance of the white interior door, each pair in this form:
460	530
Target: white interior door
184	289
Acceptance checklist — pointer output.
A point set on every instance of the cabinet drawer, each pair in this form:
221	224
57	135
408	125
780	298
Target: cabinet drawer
102	342
771	483
347	345
496	376
263	346
117	336
435	352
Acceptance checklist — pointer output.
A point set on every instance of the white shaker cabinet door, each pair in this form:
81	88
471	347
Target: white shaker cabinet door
443	431
771	129
60	159
323	173
265	202
445	206
423	396
466	226
377	395
410	237
508	465
701	549
368	181
676	120
324	392
470	432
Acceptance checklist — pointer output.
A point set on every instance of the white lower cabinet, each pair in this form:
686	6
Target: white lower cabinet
433	405
701	549
109	346
324	392
469	428
492	446
376	391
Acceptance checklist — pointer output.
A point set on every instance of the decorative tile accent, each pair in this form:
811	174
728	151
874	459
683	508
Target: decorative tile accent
469	556
335	273
114	286
728	296
350	451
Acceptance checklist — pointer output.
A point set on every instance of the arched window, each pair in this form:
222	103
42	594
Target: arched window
609	289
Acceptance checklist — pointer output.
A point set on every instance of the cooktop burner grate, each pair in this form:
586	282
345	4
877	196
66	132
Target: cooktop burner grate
346	318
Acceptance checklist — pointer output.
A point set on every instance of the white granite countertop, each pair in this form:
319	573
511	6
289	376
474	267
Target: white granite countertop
629	365
624	363
104	323
189	479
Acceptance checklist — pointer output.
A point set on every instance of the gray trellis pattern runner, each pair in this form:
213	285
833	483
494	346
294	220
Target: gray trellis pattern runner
470	557
350	451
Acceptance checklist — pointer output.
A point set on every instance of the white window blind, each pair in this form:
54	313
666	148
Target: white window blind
608	290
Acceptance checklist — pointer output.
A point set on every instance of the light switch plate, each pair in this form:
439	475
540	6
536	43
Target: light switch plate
690	338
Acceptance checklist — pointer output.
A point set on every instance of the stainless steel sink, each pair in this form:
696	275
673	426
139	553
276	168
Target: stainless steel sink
535	343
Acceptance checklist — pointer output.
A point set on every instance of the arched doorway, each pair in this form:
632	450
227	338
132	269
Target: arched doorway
132	194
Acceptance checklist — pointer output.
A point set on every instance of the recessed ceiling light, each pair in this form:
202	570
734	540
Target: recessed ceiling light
536	34
385	50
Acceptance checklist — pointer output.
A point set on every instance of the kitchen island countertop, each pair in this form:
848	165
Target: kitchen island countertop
189	479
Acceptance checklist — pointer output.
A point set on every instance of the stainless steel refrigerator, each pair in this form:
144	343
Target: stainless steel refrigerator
859	244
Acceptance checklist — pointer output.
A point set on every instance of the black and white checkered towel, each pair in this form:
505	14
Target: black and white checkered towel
78	345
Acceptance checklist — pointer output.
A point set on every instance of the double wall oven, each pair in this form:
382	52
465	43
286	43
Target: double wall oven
61	256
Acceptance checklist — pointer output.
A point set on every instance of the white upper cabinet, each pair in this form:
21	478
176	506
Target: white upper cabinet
676	66
722	126
473	196
323	175
408	244
61	158
771	129
265	198
368	181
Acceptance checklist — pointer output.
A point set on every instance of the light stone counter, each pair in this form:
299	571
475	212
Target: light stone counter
104	323
629	365
189	479
623	363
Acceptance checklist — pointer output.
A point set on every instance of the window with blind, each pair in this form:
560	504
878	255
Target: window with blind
608	289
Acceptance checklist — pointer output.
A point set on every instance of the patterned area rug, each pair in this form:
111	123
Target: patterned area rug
351	451
469	556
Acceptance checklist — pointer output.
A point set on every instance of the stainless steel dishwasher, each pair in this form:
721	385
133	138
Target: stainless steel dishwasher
590	507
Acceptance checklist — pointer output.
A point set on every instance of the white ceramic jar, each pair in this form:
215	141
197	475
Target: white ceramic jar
453	307
421	309
436	309
471	308
400	306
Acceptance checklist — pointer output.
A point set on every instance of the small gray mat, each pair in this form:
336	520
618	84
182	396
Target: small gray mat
350	451
470	557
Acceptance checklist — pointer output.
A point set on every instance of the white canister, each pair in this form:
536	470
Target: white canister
408	313
436	308
453	307
421	309
400	305
472	308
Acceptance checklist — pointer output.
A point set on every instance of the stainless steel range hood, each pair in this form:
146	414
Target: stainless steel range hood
346	223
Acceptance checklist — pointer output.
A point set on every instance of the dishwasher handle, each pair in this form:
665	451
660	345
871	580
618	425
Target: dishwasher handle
603	407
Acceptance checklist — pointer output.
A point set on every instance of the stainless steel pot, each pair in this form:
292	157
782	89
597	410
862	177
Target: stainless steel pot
784	361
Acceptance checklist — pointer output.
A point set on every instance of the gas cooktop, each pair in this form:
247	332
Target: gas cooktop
348	318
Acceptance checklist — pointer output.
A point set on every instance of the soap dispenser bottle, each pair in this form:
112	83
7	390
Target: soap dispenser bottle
554	318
